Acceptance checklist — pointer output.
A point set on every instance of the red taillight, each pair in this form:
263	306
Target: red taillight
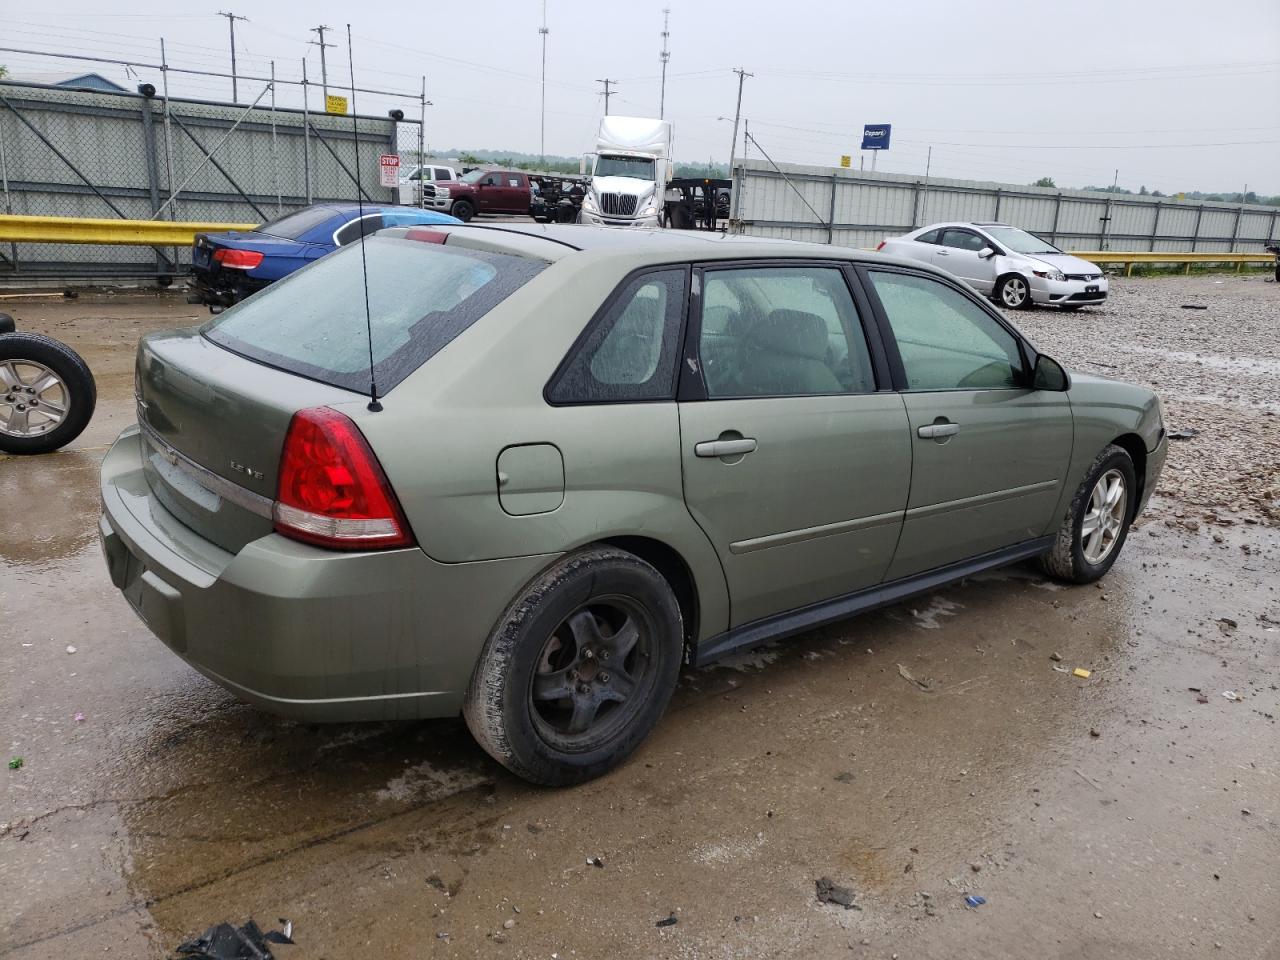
880	245
237	259
332	492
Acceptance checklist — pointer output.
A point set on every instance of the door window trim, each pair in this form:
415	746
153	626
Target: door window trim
1026	352
692	386
602	313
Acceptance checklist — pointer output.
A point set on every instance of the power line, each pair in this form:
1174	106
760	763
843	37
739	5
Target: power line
324	70
231	23
737	114
607	84
664	56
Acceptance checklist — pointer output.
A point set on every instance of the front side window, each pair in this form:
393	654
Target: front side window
630	352
947	342
782	332
474	177
962	240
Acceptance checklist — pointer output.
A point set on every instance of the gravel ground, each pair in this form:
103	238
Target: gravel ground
1217	371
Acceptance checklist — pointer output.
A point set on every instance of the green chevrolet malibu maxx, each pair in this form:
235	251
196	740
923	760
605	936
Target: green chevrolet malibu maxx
566	460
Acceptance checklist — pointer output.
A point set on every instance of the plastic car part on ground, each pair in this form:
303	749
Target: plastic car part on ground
225	942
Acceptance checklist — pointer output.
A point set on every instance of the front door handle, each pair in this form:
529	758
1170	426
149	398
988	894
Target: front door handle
725	448
937	431
943	253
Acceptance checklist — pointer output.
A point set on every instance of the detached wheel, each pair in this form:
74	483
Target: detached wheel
47	394
463	210
1097	524
1014	292
580	669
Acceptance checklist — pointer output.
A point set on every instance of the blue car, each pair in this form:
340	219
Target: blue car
227	267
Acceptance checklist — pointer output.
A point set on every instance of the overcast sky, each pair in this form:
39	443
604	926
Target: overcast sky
1176	94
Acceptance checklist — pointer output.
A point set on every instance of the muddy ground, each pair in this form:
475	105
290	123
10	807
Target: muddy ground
1135	814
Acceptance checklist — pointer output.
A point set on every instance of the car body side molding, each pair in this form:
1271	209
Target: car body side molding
840	608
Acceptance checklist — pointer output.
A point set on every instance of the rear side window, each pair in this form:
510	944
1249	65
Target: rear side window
781	332
930	237
629	353
357	228
421	296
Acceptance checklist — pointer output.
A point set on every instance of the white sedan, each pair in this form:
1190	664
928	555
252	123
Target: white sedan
1013	267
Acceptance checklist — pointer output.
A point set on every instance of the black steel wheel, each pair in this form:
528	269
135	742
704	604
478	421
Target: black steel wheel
580	669
463	210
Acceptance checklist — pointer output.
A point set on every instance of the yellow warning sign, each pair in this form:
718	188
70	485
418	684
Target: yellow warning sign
335	104
846	160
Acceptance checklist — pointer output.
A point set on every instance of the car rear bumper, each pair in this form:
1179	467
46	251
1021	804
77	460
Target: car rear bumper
300	631
221	289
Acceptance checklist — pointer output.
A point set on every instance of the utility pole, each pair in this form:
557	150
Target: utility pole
665	55
737	115
324	72
607	85
231	22
542	138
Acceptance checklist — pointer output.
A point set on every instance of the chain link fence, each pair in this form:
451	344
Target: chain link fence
78	153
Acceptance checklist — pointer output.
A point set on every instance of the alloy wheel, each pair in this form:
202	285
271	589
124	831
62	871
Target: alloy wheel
33	399
1014	292
1104	520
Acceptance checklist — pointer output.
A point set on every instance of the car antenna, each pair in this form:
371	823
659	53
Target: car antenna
375	405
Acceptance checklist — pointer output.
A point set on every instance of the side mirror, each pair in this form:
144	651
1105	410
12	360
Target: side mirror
986	253
1050	375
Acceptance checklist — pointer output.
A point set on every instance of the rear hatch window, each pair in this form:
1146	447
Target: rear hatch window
421	296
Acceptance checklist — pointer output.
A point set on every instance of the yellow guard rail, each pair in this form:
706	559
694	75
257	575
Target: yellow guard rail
143	233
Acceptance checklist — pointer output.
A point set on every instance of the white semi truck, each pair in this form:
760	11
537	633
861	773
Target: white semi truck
628	173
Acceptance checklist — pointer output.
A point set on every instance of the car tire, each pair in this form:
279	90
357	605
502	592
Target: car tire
603	630
1014	292
463	210
1096	525
28	360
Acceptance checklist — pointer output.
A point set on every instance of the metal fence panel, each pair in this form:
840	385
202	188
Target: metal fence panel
77	153
871	206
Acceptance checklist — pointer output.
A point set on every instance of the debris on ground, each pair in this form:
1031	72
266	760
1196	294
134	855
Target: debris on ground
435	881
828	891
925	685
1055	657
16	763
669	921
225	942
974	900
595	862
1183	433
79	717
1082	673
1194	306
1231	695
845	777
70	648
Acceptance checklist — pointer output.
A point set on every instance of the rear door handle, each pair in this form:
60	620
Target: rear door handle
932	431
725	448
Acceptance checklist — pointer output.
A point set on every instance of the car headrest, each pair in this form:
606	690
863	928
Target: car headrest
790	332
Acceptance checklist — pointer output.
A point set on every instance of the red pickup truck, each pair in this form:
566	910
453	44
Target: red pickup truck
481	191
